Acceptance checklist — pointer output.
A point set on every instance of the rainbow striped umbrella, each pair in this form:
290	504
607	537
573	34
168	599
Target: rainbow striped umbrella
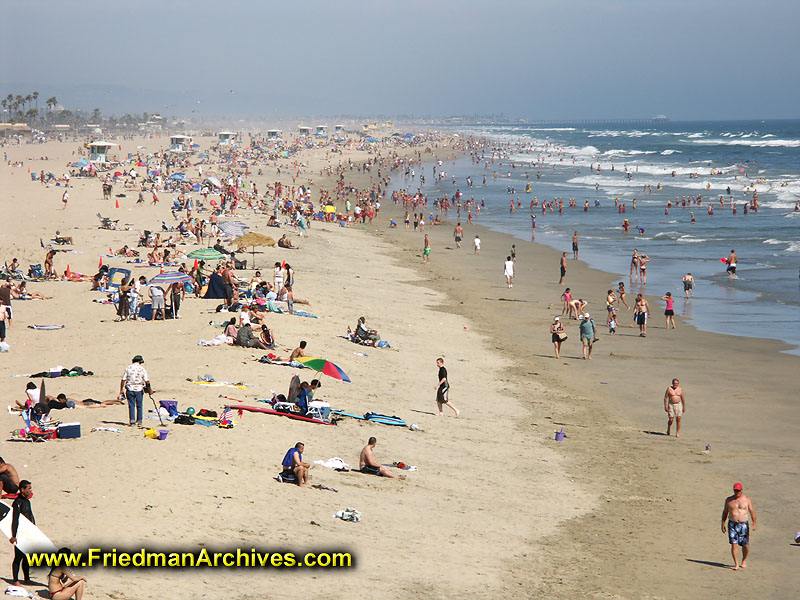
170	278
320	365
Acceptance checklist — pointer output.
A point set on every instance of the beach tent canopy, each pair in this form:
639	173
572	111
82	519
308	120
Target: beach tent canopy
216	289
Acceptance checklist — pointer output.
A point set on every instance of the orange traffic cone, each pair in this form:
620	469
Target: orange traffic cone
100	266
69	273
117	202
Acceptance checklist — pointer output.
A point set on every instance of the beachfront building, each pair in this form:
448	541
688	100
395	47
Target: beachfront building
321	130
304	131
179	142
98	151
338	128
226	137
274	134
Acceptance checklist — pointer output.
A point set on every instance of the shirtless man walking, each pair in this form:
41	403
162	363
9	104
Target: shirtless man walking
737	509
563	267
575	245
674	406
641	310
458	234
731	262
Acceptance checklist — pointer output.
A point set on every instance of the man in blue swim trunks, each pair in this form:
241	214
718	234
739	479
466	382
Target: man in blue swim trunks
738	508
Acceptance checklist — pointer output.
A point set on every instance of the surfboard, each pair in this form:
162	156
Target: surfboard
269	411
29	537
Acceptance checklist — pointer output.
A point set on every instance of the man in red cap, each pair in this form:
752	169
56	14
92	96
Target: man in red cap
738	508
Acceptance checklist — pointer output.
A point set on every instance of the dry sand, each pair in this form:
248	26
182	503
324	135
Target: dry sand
496	508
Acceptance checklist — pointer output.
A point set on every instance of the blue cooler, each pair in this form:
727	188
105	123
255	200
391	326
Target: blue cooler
67	431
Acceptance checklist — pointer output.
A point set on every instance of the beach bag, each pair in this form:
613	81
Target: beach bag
562	336
184	420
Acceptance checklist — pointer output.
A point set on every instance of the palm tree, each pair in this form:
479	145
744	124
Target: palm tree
52	102
4	102
35	96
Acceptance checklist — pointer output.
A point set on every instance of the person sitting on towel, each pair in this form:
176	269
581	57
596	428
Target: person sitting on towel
230	329
31	396
369	465
266	337
247	339
9	478
368	335
293	465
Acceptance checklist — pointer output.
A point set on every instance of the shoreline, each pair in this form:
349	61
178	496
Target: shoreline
621	427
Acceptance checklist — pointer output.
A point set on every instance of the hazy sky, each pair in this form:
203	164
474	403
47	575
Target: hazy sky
528	58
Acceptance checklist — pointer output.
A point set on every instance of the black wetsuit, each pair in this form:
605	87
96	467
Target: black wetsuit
20	506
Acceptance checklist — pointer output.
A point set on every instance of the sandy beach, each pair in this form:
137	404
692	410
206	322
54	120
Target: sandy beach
497	506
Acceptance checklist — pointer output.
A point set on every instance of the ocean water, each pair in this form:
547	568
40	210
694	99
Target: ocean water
675	160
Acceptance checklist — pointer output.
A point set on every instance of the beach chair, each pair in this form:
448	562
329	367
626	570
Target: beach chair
36	271
106	222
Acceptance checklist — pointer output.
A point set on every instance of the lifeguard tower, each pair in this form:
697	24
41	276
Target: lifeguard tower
274	134
321	130
305	131
179	143
226	137
338	128
98	151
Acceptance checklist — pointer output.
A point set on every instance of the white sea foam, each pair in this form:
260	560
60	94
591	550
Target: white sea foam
793	247
775	242
668	152
688	239
753	143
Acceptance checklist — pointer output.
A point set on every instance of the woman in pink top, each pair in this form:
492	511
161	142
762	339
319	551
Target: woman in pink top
566	298
669	312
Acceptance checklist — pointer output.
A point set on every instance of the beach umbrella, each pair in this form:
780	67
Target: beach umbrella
233	228
214	181
253	239
321	365
180	176
170	277
207	254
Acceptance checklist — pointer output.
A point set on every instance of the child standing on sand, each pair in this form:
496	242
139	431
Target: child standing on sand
477	244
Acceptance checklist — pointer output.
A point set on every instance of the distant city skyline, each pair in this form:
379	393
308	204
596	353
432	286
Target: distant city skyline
534	60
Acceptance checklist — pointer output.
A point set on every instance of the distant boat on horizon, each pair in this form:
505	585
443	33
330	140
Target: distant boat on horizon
661	118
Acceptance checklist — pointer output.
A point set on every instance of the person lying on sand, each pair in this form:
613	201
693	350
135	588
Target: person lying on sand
296	353
20	292
367	463
62	239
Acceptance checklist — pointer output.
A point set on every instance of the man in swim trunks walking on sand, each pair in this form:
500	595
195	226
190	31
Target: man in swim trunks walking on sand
367	463
737	509
442	389
575	245
563	267
458	234
674	406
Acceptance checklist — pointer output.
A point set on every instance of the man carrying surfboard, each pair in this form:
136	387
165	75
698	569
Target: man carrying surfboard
21	506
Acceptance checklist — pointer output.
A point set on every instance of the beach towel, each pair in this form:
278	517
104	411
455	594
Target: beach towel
238	386
216	289
335	463
268	359
220	340
46	327
303	313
